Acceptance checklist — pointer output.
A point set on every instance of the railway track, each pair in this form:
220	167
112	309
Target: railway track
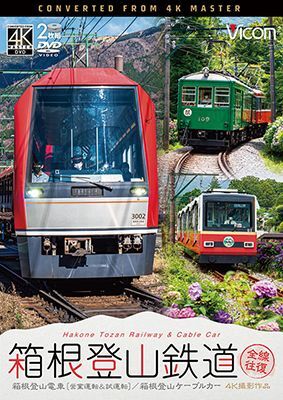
193	162
182	165
54	305
253	279
223	162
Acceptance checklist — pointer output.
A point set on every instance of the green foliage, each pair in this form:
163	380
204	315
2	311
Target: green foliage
269	196
237	290
173	132
174	143
234	295
210	302
279	209
19	320
270	258
274	137
186	198
247	58
214	184
272	161
279	200
190	53
178	278
266	190
276	216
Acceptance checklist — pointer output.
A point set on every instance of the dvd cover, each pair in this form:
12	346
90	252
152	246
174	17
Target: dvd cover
141	181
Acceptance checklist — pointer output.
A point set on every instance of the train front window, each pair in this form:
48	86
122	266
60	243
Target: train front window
205	97
82	134
228	216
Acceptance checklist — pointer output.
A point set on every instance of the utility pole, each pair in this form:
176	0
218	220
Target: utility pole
172	211
166	85
272	73
80	47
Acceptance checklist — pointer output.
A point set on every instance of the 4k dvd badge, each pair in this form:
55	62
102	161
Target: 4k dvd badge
20	40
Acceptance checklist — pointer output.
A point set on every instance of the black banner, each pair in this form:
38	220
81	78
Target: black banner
141	8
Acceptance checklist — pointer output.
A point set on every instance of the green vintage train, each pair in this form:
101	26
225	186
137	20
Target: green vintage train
217	110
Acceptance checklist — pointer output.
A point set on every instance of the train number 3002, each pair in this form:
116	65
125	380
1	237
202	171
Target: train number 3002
138	218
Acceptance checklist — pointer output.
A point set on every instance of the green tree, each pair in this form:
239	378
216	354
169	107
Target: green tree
253	57
186	198
266	190
190	53
214	184
274	137
278	214
201	46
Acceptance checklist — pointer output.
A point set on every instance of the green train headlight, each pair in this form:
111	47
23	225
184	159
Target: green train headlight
34	193
138	191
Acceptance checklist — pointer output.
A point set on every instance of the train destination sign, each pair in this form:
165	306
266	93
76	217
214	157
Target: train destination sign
86	191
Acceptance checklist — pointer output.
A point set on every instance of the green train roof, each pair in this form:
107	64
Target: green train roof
215	76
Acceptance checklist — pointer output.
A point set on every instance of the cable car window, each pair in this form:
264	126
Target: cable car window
82	134
228	216
183	223
190	220
259	103
195	217
179	225
205	97
188	96
222	97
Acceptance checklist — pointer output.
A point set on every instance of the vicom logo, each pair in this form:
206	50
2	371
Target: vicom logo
249	33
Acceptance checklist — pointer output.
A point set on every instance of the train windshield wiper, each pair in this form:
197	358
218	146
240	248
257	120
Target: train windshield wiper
85	179
98	185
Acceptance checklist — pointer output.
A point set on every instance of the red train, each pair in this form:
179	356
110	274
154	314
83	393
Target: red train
260	115
84	202
220	227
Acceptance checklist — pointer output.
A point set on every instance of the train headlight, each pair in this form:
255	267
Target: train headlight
249	245
208	244
34	193
138	191
202	134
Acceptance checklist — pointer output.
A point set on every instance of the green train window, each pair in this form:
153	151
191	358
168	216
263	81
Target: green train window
205	97
188	96
222	97
238	99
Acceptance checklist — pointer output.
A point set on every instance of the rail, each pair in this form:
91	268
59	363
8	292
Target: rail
127	300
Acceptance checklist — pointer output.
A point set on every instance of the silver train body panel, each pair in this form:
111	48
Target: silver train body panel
96	218
39	266
87	214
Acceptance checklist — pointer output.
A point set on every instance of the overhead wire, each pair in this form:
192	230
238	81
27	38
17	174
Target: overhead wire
91	30
107	22
117	38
